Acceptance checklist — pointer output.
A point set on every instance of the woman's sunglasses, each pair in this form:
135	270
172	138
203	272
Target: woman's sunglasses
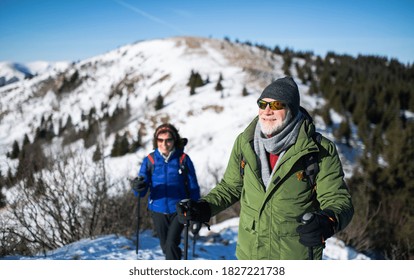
274	105
168	140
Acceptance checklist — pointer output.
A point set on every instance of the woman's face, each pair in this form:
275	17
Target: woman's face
165	143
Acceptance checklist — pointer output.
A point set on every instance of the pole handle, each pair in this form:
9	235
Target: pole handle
306	219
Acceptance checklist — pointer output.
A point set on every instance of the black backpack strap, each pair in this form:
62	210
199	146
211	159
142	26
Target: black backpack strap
183	167
183	170
311	168
311	162
150	163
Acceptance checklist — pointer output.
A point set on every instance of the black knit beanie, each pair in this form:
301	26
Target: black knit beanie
285	90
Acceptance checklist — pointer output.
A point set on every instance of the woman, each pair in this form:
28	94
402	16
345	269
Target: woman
169	174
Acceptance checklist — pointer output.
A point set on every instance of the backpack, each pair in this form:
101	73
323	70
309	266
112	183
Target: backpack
311	163
182	169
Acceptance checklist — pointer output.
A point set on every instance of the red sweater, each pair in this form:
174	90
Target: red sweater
272	160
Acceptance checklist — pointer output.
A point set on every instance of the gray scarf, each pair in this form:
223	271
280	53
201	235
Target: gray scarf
276	144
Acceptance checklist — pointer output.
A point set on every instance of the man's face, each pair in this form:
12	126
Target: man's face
165	143
271	121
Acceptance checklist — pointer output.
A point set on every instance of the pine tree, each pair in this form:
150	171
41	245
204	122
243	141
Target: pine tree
300	72
10	178
195	81
120	146
159	102
276	50
287	57
192	90
220	77
26	140
115	146
326	116
15	151
69	123
124	145
198	80
2	196
344	132
313	88
191	80
219	87
97	155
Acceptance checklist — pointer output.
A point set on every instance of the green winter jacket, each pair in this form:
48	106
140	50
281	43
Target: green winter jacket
268	219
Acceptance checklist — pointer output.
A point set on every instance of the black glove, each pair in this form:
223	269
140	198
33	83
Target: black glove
138	184
316	228
190	210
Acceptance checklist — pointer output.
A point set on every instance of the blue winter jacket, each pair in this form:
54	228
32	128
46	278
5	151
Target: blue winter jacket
167	185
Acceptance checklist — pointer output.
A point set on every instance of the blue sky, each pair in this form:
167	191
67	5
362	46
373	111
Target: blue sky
72	30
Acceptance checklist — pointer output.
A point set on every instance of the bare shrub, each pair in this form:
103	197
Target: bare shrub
120	216
10	242
58	206
71	198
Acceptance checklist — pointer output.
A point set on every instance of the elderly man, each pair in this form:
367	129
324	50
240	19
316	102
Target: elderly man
268	172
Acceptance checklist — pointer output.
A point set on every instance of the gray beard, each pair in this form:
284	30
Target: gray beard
275	129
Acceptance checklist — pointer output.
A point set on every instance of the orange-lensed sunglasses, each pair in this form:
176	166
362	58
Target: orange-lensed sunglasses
274	105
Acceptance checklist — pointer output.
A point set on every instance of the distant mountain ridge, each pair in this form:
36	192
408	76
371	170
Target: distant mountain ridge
11	72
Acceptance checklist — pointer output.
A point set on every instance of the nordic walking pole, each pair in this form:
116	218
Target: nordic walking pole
307	218
134	183
186	240
184	206
195	228
138	212
194	244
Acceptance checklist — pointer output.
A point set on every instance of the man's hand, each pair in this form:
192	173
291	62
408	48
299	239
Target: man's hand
190	210
317	229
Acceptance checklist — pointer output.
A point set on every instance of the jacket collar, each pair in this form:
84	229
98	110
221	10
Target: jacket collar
175	153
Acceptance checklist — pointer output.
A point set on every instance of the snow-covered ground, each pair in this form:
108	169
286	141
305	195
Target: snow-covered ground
217	244
114	257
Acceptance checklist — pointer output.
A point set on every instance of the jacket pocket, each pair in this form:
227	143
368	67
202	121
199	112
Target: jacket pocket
247	236
289	246
247	219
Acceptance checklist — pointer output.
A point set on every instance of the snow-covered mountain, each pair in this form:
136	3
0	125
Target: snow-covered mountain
131	78
119	89
11	72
